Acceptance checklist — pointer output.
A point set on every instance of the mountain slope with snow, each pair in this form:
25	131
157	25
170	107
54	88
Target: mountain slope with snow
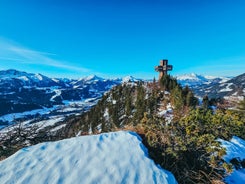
22	92
118	157
130	79
16	79
231	89
195	79
235	148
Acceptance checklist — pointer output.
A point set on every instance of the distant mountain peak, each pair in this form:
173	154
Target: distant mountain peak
11	73
129	79
92	78
39	76
20	78
191	76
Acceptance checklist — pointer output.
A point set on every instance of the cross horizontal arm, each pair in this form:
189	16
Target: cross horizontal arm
163	68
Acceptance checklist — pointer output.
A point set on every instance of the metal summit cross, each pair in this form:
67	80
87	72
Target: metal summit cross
163	68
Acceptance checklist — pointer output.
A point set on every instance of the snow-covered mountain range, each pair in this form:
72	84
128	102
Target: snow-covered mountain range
230	88
13	79
195	79
25	94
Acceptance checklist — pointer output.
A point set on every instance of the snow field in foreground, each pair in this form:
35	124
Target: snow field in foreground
117	157
235	148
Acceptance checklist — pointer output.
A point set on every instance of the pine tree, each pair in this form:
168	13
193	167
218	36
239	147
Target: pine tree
177	98
205	102
185	91
140	105
128	101
191	100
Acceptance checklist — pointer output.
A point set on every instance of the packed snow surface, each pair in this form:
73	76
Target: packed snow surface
118	157
235	148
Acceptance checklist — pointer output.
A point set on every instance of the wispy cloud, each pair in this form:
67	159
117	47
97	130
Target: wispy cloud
12	51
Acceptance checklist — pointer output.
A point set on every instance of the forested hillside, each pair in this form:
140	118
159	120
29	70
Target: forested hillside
179	132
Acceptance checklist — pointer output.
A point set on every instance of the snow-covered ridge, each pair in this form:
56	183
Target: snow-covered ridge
190	79
11	73
118	157
195	79
191	76
19	78
24	76
8	74
90	78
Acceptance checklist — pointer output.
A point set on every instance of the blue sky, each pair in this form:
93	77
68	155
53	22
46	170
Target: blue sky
115	38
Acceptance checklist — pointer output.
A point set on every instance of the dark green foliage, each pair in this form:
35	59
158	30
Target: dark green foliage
140	104
123	105
168	83
180	97
177	98
152	104
189	99
238	163
205	102
128	102
188	147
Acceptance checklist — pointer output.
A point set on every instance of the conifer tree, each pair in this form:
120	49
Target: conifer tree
177	98
191	100
128	101
140	103
205	102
